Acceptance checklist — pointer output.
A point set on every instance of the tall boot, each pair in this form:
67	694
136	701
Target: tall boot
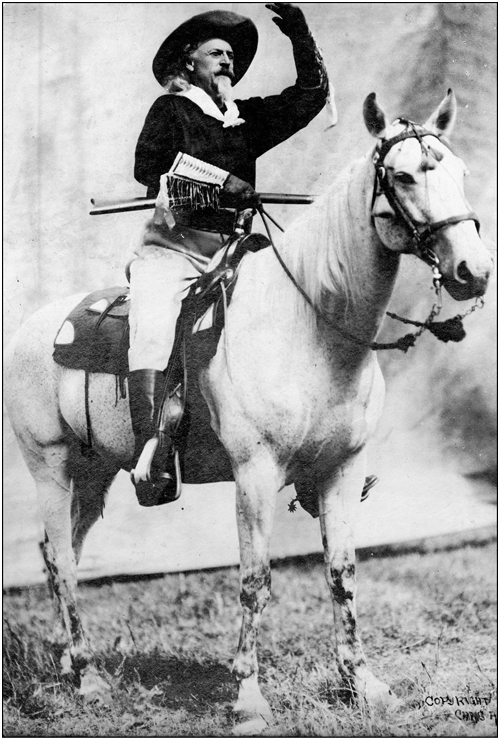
160	482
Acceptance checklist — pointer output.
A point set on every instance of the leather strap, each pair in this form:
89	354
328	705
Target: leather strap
412	131
437	225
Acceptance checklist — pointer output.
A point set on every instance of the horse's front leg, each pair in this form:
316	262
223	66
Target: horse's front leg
256	486
338	502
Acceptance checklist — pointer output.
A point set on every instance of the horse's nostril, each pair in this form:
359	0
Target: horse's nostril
463	272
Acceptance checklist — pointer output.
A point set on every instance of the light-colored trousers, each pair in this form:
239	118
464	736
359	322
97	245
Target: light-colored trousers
162	270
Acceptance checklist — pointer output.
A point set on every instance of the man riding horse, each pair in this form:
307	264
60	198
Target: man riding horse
197	66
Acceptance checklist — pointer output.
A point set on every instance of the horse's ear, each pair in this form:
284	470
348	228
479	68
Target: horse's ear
443	119
375	120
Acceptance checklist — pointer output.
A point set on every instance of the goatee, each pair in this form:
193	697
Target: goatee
224	87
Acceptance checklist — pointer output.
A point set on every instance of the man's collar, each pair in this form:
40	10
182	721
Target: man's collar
208	106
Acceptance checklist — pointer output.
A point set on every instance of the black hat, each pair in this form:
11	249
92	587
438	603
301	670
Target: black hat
237	30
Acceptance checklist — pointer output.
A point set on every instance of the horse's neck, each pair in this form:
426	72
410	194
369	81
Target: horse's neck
337	257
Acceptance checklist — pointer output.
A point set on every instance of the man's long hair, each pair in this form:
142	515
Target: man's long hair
176	77
175	83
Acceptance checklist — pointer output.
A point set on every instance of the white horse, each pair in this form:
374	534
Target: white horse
294	390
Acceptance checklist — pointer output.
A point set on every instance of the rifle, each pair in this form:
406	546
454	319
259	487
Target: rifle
141	204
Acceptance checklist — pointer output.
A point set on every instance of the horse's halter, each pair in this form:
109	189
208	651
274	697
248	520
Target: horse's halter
382	186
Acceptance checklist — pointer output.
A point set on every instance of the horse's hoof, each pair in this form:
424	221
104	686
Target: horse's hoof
252	713
378	694
253	720
251	727
389	700
94	689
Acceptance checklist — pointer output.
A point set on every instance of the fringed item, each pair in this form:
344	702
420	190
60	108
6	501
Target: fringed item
309	62
331	108
192	184
187	195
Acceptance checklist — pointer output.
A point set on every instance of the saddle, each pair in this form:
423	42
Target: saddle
95	338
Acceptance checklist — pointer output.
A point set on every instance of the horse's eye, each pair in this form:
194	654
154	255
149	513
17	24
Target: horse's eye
404	178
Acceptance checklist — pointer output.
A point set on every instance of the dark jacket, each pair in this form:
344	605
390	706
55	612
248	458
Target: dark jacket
176	124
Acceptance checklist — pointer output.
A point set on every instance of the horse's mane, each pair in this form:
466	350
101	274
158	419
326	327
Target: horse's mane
322	247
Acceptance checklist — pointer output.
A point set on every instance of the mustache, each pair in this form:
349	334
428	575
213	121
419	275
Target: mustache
225	73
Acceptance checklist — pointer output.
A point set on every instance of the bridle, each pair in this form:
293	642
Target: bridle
382	186
450	330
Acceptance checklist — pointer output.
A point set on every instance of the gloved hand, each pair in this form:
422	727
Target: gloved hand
311	72
290	21
238	193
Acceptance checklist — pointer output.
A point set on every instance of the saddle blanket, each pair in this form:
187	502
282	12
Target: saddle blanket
95	335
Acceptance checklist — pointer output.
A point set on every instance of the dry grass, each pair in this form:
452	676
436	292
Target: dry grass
166	645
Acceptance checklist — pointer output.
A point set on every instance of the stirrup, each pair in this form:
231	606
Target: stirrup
156	487
175	480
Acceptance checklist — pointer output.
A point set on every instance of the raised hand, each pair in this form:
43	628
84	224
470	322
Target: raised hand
290	20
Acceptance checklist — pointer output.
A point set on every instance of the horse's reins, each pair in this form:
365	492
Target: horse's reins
451	329
299	287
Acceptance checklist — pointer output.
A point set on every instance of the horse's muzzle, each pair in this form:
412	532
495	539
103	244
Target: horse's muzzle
465	284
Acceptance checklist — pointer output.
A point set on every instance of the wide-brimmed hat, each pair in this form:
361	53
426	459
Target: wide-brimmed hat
237	30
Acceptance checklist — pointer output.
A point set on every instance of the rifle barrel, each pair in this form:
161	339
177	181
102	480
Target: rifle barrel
102	206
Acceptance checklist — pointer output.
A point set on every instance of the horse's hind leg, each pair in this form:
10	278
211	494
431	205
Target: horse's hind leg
71	491
55	494
338	502
92	476
256	490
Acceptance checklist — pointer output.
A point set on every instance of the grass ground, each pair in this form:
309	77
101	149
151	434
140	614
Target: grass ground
166	645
